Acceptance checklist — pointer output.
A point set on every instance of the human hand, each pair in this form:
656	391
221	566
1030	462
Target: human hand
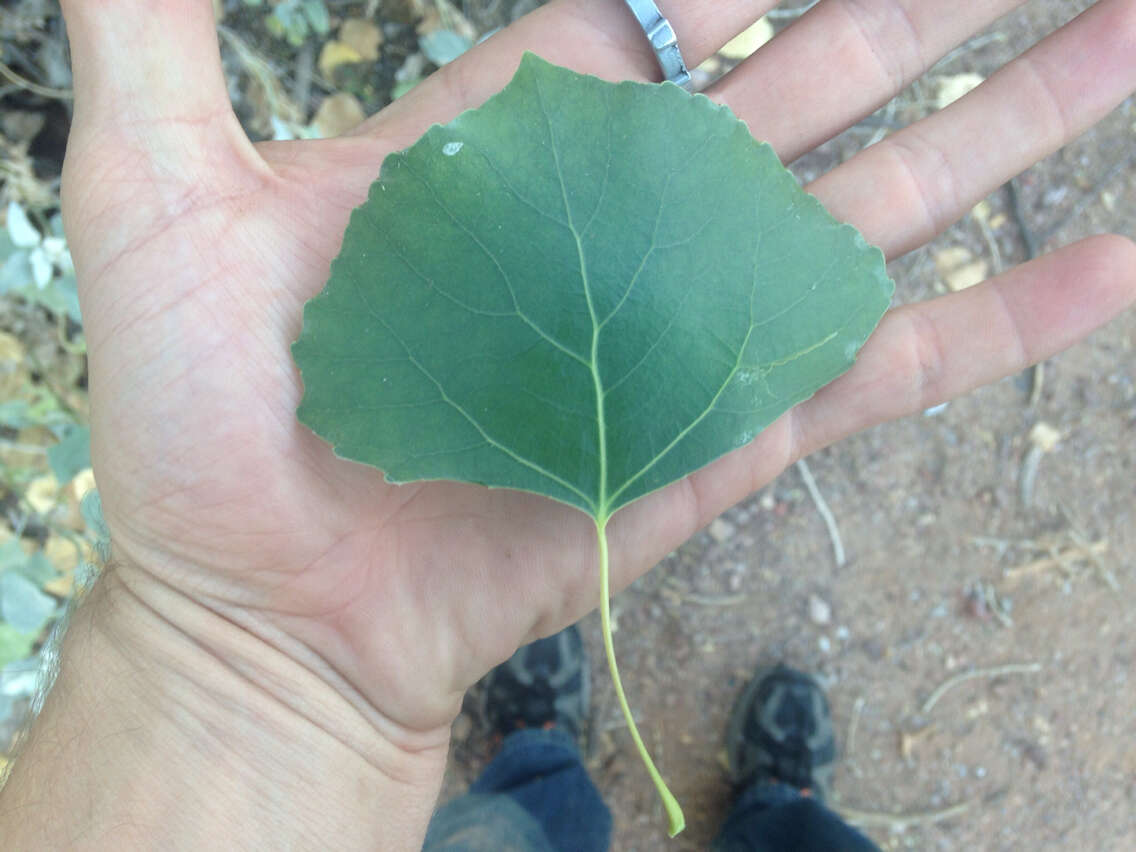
196	250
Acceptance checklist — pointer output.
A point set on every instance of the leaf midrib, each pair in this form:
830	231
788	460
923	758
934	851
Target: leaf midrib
600	511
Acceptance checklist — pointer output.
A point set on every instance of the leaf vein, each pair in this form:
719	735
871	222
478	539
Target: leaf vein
497	445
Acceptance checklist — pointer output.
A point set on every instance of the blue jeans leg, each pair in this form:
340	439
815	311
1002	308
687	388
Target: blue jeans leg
537	781
772	817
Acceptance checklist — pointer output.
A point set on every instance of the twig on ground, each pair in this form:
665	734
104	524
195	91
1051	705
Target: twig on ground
34	88
1029	238
1028	475
886	124
1087	198
984	598
996	671
991	244
1058	558
853	726
896	822
683	597
1043	439
1035	374
825	512
677	593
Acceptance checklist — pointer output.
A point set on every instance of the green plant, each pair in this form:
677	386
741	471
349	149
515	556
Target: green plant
44	449
295	20
582	290
35	263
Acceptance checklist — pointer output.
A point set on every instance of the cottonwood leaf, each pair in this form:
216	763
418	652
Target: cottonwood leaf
584	290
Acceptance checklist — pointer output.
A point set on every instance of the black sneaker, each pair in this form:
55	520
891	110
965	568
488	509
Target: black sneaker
543	685
780	730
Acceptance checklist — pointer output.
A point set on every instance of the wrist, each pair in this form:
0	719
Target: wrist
175	726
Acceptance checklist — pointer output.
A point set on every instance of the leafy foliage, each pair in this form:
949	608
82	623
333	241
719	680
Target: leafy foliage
37	266
295	20
44	452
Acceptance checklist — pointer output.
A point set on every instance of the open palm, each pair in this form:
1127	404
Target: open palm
196	251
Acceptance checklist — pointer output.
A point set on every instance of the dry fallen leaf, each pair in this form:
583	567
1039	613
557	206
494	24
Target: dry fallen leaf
338	114
41	493
747	42
959	269
363	37
65	553
81	483
950	89
10	348
951	258
334	54
444	15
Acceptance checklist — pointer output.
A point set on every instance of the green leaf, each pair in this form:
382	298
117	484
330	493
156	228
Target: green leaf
318	18
23	605
443	46
581	289
15	644
71	455
584	290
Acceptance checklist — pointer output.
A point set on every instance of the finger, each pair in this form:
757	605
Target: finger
929	353
149	72
599	37
843	60
909	187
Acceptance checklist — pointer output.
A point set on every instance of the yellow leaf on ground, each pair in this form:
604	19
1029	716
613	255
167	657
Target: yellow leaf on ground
338	114
42	493
363	37
747	42
334	54
949	89
951	258
63	586
65	553
82	483
959	269
11	350
967	275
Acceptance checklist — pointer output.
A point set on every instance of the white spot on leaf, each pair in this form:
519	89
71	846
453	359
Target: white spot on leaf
451	148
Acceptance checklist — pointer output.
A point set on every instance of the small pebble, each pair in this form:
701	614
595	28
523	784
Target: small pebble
722	530
825	644
820	612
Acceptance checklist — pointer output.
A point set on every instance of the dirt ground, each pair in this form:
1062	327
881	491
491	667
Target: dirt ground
949	572
969	556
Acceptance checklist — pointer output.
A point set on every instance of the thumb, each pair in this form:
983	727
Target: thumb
148	77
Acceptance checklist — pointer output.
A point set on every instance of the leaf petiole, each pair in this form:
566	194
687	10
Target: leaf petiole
676	822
